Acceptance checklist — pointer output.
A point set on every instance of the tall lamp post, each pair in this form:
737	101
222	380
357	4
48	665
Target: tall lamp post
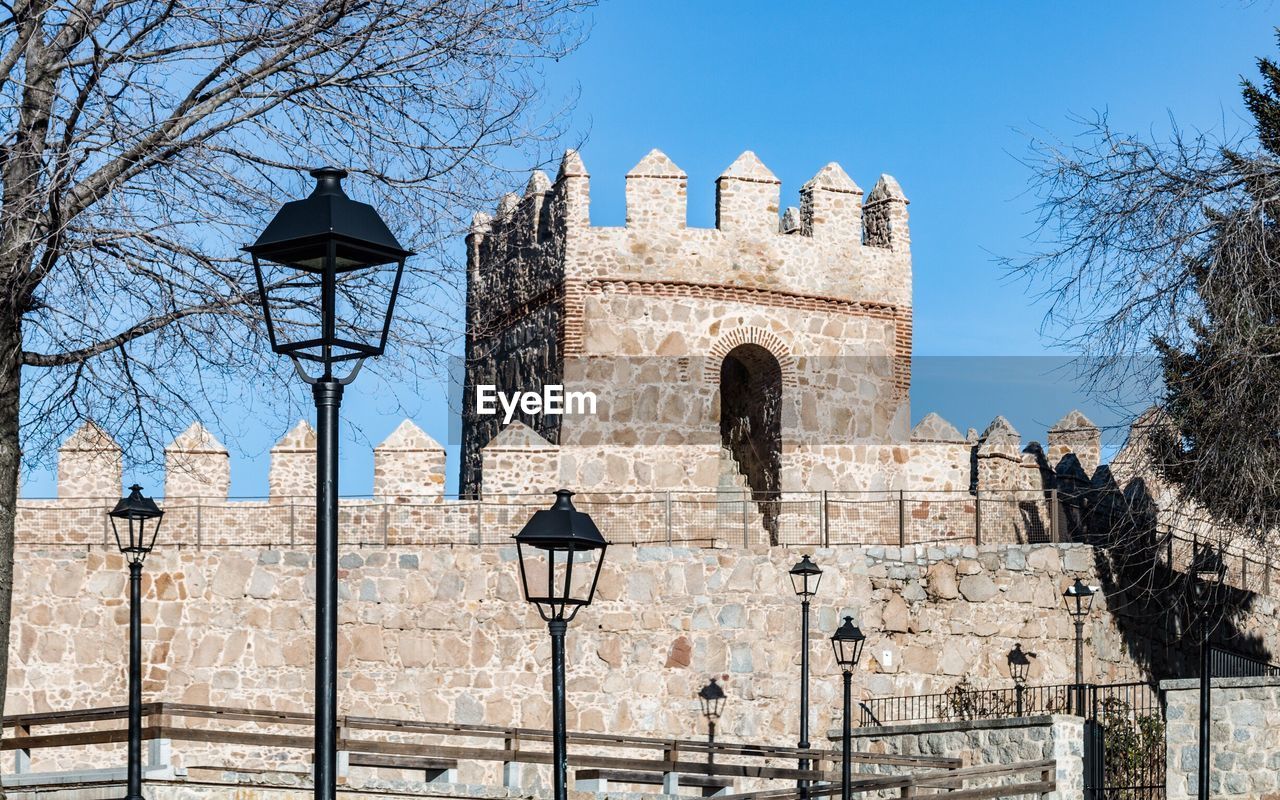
1079	599
805	577
847	642
135	521
711	697
1019	668
316	253
1209	571
561	552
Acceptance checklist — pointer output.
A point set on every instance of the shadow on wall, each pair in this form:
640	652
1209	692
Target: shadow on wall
1151	600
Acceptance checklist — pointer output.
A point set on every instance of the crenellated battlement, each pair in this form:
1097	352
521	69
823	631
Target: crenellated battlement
833	244
410	466
748	199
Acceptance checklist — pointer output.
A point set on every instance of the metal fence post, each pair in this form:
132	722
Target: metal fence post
291	543
746	531
902	518
386	523
478	537
667	500
199	523
824	521
977	517
1054	513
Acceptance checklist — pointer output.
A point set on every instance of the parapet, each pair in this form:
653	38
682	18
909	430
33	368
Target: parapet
408	464
197	465
90	464
1076	435
748	197
293	464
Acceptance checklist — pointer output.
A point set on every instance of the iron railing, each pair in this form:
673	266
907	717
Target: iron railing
1129	718
679	518
964	703
1224	663
727	518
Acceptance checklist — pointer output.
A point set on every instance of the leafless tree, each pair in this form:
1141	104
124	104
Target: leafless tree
145	141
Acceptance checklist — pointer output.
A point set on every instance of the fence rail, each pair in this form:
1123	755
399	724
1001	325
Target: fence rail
232	738
1224	663
703	518
730	518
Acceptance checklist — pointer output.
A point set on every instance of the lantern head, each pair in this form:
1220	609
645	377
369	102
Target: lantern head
805	576
1079	598
135	521
328	271
847	642
560	551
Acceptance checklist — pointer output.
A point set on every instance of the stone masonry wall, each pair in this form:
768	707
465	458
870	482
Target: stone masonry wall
983	742
1244	738
443	633
830	300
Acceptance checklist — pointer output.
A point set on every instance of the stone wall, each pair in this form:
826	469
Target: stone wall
830	300
988	741
1244	738
443	633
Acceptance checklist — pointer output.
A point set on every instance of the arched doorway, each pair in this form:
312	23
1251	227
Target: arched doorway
751	424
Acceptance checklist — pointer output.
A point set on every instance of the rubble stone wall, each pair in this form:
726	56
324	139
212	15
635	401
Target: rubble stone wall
444	634
989	742
1244	743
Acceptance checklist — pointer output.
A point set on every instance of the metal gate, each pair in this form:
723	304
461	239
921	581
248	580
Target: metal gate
1124	744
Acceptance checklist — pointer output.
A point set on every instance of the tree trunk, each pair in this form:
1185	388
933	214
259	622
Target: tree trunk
10	469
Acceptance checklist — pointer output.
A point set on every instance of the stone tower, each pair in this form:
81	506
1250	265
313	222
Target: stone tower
757	354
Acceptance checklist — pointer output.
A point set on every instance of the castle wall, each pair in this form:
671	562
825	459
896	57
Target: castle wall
443	633
829	296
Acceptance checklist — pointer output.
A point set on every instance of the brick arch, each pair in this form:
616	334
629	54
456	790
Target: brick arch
748	334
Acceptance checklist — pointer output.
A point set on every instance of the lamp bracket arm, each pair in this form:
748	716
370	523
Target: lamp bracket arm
302	372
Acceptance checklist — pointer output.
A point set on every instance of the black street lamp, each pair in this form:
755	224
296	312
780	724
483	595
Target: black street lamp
1209	571
1079	599
140	518
1019	669
805	577
561	552
847	642
319	254
711	697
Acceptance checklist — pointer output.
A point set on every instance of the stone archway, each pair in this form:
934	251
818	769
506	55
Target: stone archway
751	424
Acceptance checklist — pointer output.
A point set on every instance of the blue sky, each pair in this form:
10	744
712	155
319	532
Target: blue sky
942	96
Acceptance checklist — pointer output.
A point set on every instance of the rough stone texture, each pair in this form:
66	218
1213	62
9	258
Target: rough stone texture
89	465
408	465
1245	741
429	632
644	314
982	742
197	465
293	464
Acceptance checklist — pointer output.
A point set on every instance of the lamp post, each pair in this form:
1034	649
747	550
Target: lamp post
561	552
1019	668
805	577
316	254
847	642
711	697
1079	599
1208	572
140	519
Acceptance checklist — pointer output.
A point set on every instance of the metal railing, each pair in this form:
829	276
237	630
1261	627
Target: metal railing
228	739
963	703
679	518
1224	663
727	518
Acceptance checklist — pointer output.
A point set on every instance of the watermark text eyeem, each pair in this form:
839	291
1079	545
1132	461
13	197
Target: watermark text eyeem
553	399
